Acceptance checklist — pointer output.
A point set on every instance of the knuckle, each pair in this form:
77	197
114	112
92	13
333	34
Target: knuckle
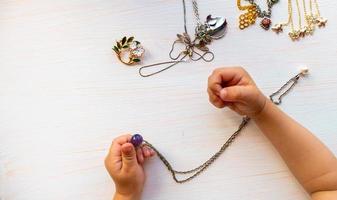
106	162
209	91
219	104
241	69
238	94
217	71
211	99
209	79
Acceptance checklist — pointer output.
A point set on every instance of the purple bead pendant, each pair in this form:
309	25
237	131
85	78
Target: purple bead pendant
136	140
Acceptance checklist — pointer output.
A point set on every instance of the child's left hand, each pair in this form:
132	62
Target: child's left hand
125	165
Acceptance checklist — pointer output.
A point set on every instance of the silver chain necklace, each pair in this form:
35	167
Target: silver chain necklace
284	90
194	49
196	11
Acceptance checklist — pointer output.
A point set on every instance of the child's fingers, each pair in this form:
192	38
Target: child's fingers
229	75
226	77
129	158
117	143
122	139
140	156
148	152
215	100
234	94
152	152
114	157
214	84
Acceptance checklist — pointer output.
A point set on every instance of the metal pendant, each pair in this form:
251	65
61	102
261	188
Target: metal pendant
216	26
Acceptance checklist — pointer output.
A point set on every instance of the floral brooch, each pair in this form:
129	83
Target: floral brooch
133	48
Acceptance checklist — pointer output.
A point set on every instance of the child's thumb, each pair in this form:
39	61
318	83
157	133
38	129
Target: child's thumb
232	94
129	158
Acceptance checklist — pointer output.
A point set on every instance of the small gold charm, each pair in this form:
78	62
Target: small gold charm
321	22
277	28
309	29
294	35
133	47
310	19
302	32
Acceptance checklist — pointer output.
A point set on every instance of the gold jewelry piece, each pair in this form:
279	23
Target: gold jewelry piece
278	28
320	21
254	11
311	20
247	18
133	47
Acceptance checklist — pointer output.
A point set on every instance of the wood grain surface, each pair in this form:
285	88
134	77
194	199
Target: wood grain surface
64	97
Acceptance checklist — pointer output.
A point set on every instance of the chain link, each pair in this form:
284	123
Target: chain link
196	171
286	88
196	12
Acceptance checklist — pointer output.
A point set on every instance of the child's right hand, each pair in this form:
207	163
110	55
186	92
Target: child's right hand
233	87
124	163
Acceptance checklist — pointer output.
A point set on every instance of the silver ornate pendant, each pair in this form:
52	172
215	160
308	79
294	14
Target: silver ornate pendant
214	28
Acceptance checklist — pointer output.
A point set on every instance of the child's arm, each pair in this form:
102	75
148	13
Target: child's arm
311	162
125	165
314	166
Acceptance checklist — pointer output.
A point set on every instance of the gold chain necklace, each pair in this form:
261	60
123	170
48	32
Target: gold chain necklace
311	19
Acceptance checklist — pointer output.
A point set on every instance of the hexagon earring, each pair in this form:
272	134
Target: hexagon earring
128	45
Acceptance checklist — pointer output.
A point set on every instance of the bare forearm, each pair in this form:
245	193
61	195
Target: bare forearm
311	162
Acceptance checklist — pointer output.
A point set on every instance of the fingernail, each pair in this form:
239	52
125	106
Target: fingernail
223	93
127	149
152	152
146	152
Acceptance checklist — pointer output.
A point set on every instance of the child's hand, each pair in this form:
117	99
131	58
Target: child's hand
233	87
125	165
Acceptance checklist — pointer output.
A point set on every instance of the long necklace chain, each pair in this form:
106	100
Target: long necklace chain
196	12
193	173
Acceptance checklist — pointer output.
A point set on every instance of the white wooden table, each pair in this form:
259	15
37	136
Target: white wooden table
64	97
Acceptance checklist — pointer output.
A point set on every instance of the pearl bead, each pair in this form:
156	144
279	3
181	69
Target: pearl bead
136	140
304	71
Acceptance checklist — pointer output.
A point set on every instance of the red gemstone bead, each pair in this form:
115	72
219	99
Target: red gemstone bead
265	23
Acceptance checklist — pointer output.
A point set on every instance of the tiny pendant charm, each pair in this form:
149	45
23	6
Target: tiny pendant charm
265	23
216	26
321	22
278	28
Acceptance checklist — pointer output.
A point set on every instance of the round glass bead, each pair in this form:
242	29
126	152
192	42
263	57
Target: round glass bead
136	140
